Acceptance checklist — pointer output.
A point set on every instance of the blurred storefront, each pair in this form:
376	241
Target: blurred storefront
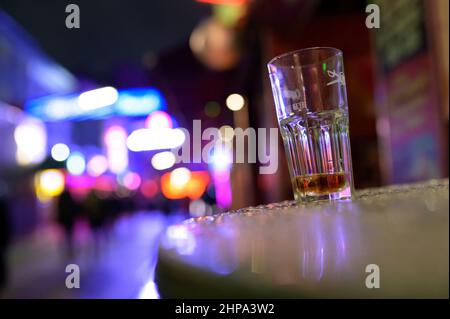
412	90
26	72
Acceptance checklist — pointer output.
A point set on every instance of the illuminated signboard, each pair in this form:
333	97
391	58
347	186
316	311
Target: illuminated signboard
97	104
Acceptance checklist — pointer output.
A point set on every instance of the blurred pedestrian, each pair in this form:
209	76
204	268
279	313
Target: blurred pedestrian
96	218
4	239
67	213
109	209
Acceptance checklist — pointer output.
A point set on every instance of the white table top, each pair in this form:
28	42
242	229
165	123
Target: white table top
315	250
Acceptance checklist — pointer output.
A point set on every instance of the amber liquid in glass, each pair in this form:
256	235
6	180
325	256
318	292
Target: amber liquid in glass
318	148
319	184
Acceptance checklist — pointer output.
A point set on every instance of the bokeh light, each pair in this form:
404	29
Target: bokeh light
98	98
214	45
49	183
97	165
31	140
113	134
163	160
221	158
158	120
180	177
115	139
60	152
235	102
212	109
149	188
150	140
176	187
131	181
104	183
76	163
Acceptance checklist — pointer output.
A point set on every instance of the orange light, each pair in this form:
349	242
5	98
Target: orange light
193	189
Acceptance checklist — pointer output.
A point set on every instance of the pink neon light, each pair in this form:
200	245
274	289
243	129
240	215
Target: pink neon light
158	120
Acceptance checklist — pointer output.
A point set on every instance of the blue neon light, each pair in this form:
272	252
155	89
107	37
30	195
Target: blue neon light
139	102
131	102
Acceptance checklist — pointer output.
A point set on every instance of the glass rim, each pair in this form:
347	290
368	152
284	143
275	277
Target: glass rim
272	62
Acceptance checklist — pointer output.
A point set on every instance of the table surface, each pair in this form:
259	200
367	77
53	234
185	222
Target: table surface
317	249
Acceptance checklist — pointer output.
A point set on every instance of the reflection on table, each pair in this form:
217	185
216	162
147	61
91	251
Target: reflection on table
319	249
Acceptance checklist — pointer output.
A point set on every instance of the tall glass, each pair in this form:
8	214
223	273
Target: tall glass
311	102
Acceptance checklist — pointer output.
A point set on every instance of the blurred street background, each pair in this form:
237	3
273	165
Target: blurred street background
89	115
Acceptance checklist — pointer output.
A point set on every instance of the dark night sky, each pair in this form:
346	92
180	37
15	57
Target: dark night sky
112	32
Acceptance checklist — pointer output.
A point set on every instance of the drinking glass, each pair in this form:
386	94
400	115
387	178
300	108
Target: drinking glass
310	96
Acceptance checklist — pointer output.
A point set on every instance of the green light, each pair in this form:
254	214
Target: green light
324	67
227	14
212	109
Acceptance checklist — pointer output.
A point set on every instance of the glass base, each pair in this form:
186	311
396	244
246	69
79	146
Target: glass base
345	194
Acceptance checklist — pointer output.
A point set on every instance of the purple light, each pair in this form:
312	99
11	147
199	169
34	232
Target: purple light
117	153
81	182
220	162
222	186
